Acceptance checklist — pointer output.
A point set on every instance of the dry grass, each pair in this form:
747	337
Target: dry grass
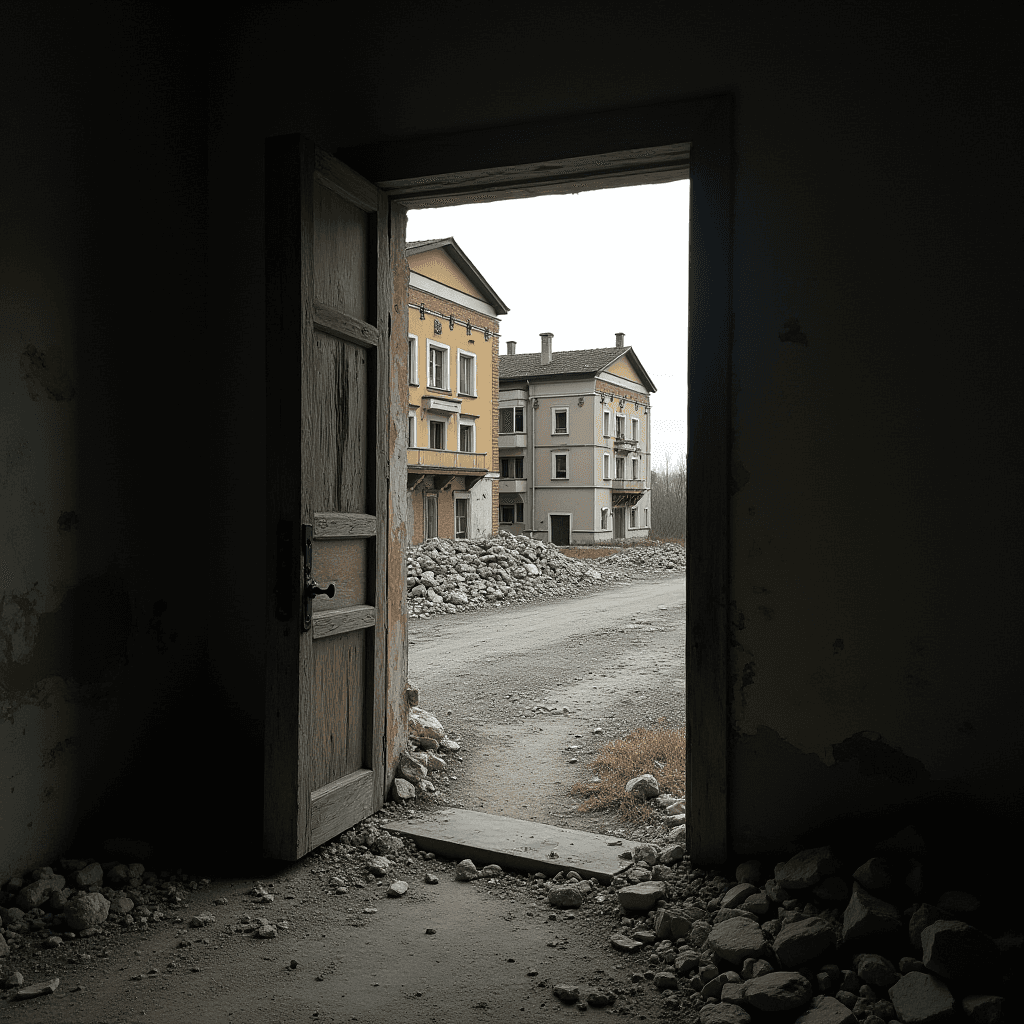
658	751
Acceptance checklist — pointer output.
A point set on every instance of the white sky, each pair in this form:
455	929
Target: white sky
584	267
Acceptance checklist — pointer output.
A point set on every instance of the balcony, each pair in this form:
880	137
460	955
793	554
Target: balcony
431	460
628	486
512	485
512	440
623	443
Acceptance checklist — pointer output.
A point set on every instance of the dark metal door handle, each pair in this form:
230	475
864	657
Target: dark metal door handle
313	589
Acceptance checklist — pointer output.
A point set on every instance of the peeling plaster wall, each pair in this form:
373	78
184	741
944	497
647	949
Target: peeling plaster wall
876	552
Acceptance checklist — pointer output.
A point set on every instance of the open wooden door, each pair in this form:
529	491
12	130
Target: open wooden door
330	452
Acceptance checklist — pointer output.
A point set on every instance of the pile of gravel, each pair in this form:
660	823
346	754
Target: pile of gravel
445	576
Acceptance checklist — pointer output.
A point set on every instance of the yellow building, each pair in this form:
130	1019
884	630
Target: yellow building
452	463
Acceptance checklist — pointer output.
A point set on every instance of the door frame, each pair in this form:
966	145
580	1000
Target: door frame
644	145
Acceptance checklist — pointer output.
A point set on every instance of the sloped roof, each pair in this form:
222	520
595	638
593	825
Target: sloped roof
463	262
581	362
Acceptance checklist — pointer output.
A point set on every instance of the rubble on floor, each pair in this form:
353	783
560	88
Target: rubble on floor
446	576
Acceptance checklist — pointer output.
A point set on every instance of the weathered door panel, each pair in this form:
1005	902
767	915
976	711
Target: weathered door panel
329	296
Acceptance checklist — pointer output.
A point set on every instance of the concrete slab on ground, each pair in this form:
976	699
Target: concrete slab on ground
514	844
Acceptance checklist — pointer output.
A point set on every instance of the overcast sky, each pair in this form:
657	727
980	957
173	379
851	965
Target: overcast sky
584	267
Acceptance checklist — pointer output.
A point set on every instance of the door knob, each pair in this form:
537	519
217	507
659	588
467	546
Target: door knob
313	589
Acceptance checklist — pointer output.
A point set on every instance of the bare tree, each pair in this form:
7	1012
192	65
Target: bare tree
668	500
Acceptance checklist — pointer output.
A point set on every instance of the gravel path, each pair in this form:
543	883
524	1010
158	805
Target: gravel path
613	657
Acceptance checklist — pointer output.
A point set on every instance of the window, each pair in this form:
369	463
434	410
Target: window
437	367
430	515
414	359
512	467
607	423
510	421
632	518
647	517
559	471
620	427
519	512
635	467
461	517
506	513
636	429
412	430
620	468
604	519
466	437
607	466
437	433
467	374
559	421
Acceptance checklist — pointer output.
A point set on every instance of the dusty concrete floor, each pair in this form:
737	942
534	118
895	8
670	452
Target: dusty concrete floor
593	655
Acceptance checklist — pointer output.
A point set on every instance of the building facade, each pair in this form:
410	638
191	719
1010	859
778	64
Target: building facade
574	441
452	462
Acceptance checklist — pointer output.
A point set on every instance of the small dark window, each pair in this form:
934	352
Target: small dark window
519	419
560	472
437	435
561	425
505	421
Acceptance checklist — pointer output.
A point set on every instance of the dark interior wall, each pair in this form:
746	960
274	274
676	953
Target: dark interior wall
875	561
104	489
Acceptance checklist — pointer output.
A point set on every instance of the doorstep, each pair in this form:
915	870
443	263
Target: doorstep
514	844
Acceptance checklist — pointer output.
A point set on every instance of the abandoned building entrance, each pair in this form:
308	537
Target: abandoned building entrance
336	427
619	523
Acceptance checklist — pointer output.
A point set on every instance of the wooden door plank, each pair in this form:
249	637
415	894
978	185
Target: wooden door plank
340	805
338	525
345	620
338	697
342	180
334	321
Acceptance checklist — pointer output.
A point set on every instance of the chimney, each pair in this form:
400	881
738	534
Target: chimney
620	340
511	348
545	348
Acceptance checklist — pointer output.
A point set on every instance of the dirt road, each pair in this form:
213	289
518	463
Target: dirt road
613	658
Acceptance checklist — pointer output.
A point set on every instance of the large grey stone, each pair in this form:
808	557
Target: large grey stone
868	915
803	940
723	1013
873	874
466	871
875	970
86	910
91	874
806	868
780	990
737	894
826	1010
736	939
641	897
36	893
645	786
411	768
922	999
402	789
565	896
422	723
925	915
956	951
675	922
672	854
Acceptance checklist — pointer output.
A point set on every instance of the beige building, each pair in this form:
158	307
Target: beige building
574	439
452	462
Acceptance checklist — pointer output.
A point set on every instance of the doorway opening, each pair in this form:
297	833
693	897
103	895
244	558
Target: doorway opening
566	154
582	420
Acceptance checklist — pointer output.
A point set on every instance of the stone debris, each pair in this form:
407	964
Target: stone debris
397	889
445	576
645	786
42	988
